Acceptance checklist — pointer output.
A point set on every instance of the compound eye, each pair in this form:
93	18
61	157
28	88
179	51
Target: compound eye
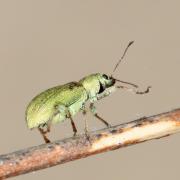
105	76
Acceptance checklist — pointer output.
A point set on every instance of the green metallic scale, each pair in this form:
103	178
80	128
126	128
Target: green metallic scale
61	102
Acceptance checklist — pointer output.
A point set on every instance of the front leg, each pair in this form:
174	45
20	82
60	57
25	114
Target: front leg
107	92
94	112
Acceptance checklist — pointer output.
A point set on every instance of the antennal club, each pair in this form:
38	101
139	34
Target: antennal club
130	43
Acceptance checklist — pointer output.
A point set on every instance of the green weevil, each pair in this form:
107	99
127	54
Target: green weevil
64	101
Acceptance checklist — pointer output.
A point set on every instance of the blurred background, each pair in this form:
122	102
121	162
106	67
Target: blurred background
47	43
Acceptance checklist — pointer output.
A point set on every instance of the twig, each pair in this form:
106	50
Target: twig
58	152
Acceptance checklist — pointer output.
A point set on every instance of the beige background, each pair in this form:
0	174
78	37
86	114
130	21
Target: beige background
46	43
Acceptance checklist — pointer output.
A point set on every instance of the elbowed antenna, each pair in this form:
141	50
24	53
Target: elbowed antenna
132	84
134	90
130	43
116	66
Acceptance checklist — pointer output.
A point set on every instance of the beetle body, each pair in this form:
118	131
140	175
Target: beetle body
57	103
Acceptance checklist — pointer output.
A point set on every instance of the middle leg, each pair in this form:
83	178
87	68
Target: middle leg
84	112
65	113
73	126
87	133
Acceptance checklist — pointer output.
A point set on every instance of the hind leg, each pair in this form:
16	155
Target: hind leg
44	131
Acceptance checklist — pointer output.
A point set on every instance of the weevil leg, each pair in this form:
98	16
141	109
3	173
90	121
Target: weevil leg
86	124
93	110
87	133
66	113
84	112
73	126
48	126
43	133
72	122
135	90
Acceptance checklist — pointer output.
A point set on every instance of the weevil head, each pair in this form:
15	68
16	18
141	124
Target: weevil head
105	82
97	83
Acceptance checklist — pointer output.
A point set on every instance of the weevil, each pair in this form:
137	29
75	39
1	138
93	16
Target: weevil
62	102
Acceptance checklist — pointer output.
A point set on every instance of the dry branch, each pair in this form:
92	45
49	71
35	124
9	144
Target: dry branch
58	152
